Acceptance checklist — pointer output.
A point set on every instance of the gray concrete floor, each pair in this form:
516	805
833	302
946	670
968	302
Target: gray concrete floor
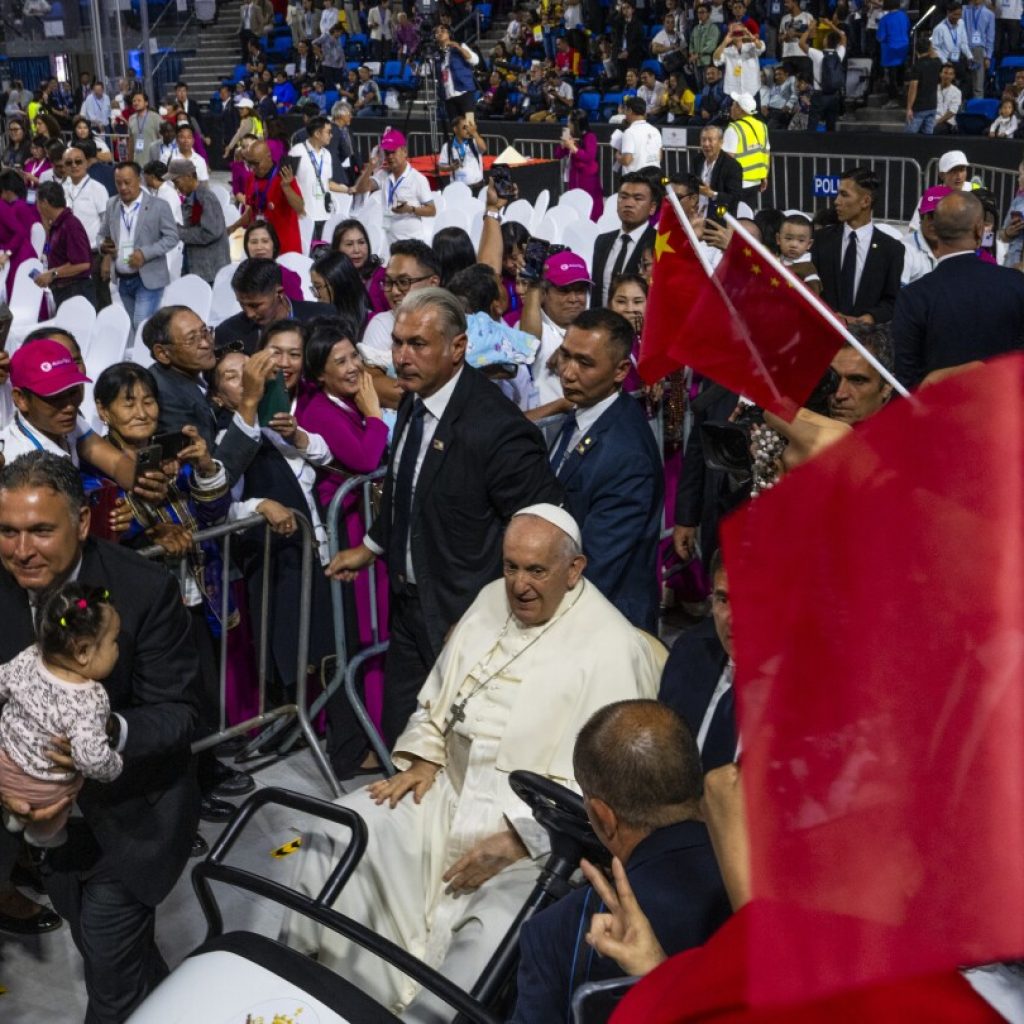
42	976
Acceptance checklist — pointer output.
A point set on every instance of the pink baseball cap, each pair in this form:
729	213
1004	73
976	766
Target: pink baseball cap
566	268
392	139
45	367
931	198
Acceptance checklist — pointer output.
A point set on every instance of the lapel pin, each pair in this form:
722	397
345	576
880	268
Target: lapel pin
437	445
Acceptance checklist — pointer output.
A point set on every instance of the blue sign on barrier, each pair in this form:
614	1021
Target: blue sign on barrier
826	185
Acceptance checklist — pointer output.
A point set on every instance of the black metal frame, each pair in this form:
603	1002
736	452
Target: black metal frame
319	908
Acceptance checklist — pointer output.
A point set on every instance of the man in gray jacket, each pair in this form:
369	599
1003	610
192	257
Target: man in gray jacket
202	229
138	231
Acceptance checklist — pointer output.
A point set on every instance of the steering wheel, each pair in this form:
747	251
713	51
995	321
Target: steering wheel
559	810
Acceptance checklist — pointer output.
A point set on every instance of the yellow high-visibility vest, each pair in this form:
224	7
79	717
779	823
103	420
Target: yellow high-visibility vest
752	154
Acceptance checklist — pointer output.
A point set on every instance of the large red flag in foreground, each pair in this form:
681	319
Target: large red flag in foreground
775	345
679	277
878	623
709	984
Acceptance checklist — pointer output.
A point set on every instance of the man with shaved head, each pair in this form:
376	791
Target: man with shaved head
453	853
965	309
273	195
638	767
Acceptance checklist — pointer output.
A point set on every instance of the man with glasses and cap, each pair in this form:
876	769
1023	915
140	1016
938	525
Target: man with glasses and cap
405	191
453	852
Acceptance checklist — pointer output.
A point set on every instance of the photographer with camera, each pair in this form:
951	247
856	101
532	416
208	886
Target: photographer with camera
314	171
455	65
738	54
462	155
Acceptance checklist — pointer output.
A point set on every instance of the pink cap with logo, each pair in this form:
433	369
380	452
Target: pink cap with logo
931	198
566	268
392	139
45	367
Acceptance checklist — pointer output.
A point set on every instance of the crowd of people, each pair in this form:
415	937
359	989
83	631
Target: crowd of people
522	573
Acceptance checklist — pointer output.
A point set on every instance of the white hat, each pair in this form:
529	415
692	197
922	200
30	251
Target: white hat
746	102
557	517
244	101
954	158
744	211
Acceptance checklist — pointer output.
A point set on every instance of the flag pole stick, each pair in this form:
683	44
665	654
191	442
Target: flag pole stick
687	227
817	304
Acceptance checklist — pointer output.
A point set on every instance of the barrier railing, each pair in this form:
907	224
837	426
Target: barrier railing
998	180
346	669
296	710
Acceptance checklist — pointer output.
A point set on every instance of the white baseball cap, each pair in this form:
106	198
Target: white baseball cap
954	158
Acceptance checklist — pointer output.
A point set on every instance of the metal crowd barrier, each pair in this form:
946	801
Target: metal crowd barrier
296	710
998	180
346	668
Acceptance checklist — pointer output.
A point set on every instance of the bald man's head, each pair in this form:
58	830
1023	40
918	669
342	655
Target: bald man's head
259	158
959	221
639	758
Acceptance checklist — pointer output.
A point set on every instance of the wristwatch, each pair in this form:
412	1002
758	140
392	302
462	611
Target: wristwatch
493	214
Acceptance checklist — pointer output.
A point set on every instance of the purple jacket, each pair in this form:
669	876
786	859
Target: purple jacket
585	171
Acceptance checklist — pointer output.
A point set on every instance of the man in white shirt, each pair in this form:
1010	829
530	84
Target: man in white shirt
739	55
463	154
950	99
794	23
1008	14
405	194
328	18
654	94
315	171
96	108
381	30
826	100
668	40
949	37
87	198
641	142
185	139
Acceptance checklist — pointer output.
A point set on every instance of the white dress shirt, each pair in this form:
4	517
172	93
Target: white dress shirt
613	255
585	420
549	387
722	687
863	234
126	239
435	407
88	202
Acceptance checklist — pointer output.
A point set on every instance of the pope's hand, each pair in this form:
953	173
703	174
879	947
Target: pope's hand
623	933
417	779
484	861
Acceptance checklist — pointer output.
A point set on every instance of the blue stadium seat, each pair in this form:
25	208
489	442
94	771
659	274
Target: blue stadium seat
331	96
484	10
1007	67
977	115
590	104
391	74
653	65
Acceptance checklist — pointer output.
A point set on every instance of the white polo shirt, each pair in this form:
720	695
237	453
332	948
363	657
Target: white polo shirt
88	202
470	170
409	187
642	141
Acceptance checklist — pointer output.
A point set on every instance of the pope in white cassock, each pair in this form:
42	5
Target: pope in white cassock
448	867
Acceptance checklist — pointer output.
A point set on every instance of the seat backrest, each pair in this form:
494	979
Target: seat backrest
110	321
192	291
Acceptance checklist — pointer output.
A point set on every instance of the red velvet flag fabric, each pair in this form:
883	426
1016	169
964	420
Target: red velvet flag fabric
677	280
878	620
710	983
780	344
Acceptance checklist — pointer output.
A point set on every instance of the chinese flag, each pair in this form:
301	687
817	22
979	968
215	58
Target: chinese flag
678	278
710	984
775	346
878	620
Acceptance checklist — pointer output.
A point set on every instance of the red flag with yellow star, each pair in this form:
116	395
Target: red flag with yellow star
788	339
678	279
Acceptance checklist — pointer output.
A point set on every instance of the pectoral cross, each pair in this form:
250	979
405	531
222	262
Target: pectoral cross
456	713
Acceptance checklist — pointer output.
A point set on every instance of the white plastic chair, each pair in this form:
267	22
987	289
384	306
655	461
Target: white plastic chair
456	192
555	221
578	200
192	291
609	219
24	303
341	210
451	217
476	228
300	265
4	271
521	211
37	236
540	207
77	315
112	322
580	237
223	304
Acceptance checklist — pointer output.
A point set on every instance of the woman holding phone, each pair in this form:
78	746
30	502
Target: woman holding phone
345	411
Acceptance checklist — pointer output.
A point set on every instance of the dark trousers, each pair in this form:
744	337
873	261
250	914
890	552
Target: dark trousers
83	287
112	930
409	661
824	108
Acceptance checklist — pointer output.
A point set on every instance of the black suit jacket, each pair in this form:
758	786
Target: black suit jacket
879	282
145	819
602	247
104	174
615	489
240	328
181	403
688	682
726	180
675	877
965	309
485	463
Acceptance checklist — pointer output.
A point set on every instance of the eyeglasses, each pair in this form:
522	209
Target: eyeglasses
195	338
73	163
403	284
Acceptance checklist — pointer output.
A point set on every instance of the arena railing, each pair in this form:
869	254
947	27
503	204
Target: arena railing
292	710
1001	181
